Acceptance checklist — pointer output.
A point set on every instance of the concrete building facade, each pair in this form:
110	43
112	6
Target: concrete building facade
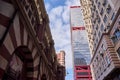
104	37
26	45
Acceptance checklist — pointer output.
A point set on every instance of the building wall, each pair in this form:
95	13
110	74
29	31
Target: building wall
104	38
25	34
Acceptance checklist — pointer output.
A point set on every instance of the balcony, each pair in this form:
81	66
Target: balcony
116	36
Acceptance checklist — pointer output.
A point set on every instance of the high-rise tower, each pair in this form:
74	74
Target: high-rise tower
80	48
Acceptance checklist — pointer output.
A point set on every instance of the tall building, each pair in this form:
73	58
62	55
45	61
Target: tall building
61	65
104	37
80	48
26	45
61	58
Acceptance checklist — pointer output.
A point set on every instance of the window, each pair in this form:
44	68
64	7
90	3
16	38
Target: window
105	19
102	11
118	51
93	15
96	40
102	27
82	73
108	9
99	20
99	34
98	4
32	20
30	13
117	34
104	2
95	33
107	60
108	26
96	1
101	54
94	8
97	27
119	22
113	15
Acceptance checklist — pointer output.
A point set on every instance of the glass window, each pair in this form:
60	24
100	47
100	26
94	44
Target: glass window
99	34
104	2
97	27
117	34
105	19
118	51
96	1
94	8
113	15
102	27
102	11
98	4
108	9
99	20
29	13
107	60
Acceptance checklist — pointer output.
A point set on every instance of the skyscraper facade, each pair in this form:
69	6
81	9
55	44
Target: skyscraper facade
102	22
80	48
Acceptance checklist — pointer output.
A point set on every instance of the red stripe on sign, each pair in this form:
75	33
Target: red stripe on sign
4	20
74	6
78	28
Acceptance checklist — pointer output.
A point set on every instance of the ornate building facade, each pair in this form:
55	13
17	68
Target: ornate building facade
26	45
104	37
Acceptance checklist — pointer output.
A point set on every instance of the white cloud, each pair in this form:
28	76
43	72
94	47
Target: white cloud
47	5
72	2
60	28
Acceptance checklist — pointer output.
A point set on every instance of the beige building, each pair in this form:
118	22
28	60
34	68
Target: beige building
102	21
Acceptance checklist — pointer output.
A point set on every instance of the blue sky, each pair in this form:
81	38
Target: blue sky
59	15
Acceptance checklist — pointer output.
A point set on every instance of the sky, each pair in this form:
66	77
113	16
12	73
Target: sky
59	15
